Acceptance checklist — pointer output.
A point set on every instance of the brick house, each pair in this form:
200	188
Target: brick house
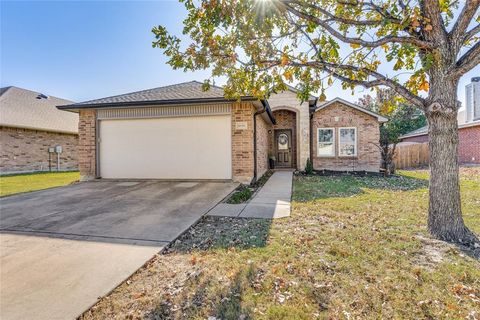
183	132
30	125
468	141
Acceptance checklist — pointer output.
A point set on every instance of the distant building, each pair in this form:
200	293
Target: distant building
468	127
472	97
31	127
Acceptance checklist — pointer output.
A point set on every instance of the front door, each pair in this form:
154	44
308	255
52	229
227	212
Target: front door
283	145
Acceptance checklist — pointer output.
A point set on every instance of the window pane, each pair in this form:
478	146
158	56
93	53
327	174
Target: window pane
347	142
326	146
325	135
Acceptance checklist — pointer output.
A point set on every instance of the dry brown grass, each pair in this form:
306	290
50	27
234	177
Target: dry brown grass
353	248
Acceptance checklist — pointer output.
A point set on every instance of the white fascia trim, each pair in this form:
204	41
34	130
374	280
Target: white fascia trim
469	124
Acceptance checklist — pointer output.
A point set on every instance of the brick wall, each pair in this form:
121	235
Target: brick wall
262	145
86	144
285	119
368	133
469	144
242	141
25	150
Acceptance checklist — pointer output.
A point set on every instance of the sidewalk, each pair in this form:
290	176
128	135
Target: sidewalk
271	202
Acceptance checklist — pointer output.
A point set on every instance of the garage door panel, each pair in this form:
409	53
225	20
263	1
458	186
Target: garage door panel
166	148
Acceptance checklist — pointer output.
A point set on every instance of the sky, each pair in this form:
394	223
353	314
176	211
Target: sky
82	50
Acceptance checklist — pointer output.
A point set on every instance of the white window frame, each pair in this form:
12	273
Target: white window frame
333	143
356	143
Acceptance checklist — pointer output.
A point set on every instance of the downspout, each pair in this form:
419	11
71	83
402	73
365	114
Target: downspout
311	136
311	128
255	140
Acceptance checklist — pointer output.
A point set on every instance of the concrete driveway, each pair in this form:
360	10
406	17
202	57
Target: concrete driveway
63	248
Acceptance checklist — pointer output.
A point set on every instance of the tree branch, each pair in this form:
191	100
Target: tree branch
464	19
470	34
369	44
333	69
468	61
332	17
379	80
329	67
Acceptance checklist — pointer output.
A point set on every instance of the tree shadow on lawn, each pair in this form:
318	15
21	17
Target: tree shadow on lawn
312	187
212	233
227	302
222	296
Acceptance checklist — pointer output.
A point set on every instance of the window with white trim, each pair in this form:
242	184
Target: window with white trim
347	142
326	142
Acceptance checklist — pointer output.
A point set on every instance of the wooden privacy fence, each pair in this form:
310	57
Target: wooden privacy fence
411	155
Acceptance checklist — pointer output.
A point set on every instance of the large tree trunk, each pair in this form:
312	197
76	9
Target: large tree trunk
445	220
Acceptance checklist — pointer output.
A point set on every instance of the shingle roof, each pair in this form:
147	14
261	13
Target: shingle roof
175	94
187	91
419	131
21	108
424	130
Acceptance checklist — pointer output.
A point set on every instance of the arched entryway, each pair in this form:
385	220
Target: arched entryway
283	140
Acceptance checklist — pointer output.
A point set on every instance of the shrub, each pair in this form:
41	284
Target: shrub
242	194
309	167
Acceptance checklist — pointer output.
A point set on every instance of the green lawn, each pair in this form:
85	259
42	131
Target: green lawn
353	248
35	181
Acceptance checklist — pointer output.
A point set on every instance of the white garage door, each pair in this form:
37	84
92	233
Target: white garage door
195	147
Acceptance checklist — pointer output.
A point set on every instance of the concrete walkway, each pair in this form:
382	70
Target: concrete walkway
271	202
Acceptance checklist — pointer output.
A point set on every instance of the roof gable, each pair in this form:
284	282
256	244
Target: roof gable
352	105
21	108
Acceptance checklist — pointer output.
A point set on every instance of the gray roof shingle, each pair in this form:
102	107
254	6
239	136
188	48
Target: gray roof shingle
21	108
422	130
192	90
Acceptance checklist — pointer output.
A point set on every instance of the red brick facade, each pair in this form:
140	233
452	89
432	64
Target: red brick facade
242	139
87	144
368	134
262	145
25	150
468	143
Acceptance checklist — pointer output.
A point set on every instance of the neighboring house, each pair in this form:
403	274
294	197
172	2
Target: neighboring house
30	125
468	120
183	132
468	141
